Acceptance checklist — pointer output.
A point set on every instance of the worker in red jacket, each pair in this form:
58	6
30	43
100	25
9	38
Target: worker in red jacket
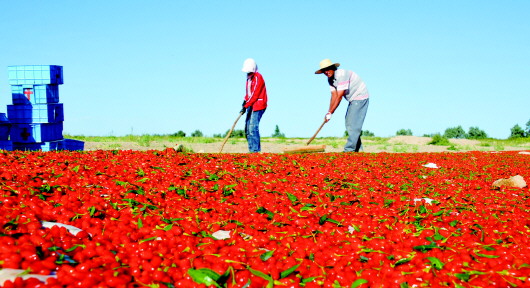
255	104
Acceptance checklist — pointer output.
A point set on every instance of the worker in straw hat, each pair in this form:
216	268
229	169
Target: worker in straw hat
254	104
347	84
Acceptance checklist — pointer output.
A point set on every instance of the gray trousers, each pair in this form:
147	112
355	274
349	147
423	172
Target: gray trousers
354	124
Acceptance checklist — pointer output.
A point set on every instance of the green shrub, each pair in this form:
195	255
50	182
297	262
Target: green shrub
180	133
452	148
517	132
237	133
277	133
456	133
363	133
196	133
476	133
440	140
404	132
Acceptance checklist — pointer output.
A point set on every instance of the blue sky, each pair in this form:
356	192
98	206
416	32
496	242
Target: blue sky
157	67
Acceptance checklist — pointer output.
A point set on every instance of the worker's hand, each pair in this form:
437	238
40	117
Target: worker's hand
243	109
328	116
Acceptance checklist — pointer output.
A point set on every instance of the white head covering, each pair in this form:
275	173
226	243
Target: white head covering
249	66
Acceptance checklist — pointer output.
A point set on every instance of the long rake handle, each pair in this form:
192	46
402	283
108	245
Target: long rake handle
230	132
316	133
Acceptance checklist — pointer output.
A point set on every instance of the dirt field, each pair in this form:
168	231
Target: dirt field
406	144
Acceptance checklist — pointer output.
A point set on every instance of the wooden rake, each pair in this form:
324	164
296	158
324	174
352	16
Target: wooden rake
307	148
230	132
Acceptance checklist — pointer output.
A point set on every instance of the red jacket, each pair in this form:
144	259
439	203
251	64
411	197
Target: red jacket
256	92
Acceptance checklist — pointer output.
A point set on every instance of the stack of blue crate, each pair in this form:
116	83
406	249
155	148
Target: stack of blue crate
36	116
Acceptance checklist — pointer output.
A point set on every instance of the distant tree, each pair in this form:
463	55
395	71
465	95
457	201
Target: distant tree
196	133
404	132
180	133
456	133
277	133
366	133
237	133
517	132
476	133
528	128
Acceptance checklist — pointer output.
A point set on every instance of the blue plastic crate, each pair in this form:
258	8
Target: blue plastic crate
72	145
35	94
4	131
5	127
42	146
6	145
33	133
46	94
35	74
38	113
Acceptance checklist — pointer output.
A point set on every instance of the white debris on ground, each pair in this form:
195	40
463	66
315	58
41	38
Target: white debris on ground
70	228
221	234
427	200
431	165
12	274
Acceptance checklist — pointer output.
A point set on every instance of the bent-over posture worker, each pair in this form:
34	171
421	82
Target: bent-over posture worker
347	84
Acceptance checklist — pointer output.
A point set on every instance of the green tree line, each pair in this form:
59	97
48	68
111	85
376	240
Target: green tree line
449	133
472	133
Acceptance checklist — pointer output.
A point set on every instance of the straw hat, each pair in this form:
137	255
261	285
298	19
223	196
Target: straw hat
325	64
